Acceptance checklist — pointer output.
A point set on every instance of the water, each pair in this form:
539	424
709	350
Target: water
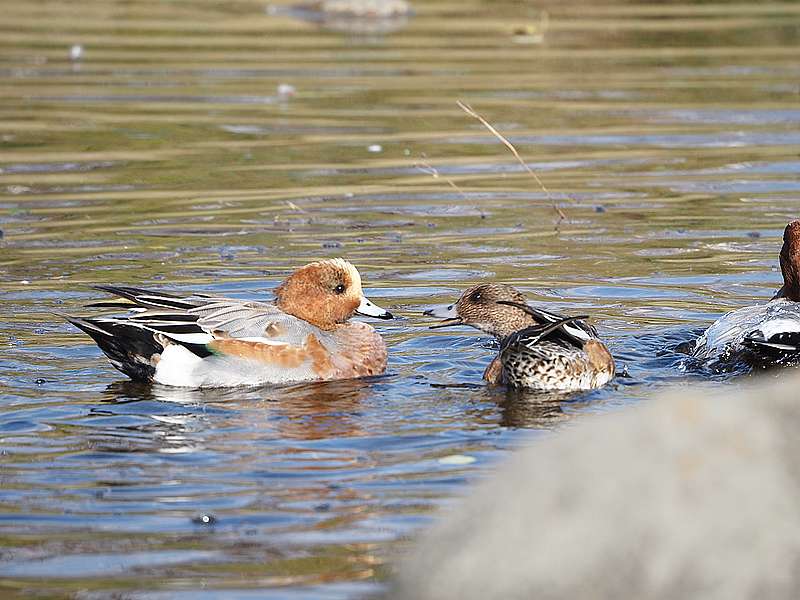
172	153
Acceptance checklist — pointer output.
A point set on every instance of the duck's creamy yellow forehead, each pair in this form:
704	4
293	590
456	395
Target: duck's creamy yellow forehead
342	265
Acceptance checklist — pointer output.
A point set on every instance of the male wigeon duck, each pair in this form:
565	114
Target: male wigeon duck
766	333
539	350
205	341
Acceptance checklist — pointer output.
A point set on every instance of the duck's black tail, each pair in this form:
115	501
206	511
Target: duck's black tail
131	349
780	348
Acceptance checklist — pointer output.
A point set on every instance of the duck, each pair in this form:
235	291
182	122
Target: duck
539	350
764	334
199	341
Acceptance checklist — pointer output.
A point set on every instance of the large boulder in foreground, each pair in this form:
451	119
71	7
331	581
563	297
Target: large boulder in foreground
693	495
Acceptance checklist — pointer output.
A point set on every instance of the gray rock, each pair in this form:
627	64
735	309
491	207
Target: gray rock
693	495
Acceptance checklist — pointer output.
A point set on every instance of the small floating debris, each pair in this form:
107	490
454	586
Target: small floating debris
751	234
286	90
375	148
531	33
40	381
331	244
204	520
599	209
76	52
457	459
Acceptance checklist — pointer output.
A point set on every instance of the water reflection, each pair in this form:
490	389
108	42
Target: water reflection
540	411
320	410
308	411
173	154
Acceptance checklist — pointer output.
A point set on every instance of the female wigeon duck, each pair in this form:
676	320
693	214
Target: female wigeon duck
206	341
765	333
539	350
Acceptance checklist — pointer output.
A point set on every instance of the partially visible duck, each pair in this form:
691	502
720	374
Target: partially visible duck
765	333
197	340
539	350
356	17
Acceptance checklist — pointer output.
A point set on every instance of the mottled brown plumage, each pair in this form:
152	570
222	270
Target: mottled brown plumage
538	349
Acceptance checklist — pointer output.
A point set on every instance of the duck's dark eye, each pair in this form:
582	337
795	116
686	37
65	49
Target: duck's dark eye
339	289
476	297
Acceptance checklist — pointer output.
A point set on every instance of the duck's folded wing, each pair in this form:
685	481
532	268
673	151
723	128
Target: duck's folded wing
229	342
557	331
251	321
578	329
200	319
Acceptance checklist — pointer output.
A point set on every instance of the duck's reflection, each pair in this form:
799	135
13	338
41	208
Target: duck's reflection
308	411
314	411
521	409
539	411
322	410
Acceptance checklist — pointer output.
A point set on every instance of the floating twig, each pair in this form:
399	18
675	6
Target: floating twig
294	206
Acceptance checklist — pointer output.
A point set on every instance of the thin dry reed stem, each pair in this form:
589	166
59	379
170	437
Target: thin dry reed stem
468	109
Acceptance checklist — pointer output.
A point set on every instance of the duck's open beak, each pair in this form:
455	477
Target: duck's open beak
368	309
446	312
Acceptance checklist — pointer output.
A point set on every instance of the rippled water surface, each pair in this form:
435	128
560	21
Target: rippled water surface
171	151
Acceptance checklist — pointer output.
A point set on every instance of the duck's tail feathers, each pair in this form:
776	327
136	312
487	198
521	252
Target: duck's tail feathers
133	347
132	350
780	347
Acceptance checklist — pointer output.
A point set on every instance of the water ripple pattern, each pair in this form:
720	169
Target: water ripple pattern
215	146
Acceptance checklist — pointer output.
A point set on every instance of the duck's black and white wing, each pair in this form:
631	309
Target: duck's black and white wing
195	318
770	332
562	331
134	341
776	339
575	328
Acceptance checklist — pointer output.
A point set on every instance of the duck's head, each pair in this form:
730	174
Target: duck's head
479	307
790	261
326	293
